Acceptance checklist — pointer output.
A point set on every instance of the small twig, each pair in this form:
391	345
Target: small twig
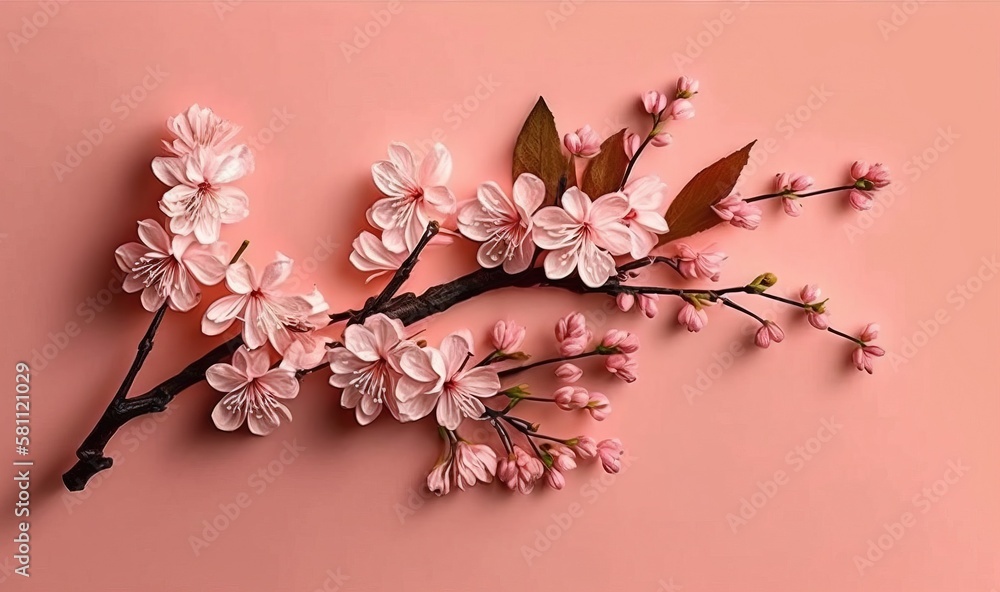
798	195
399	278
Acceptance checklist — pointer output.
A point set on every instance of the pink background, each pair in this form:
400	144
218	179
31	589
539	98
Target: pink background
920	95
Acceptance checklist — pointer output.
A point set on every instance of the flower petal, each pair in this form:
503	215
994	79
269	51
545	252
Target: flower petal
435	169
227	416
225	377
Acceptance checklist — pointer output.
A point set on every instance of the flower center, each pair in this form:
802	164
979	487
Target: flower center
373	381
158	271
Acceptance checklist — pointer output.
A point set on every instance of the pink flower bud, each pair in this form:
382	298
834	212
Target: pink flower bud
767	333
694	319
439	479
864	356
632	142
648	304
610	452
704	265
570	398
878	174
662	140
572	334
563	457
584	142
599	406
681	109
810	294
623	366
568	372
625	301
686	87
859	170
861	200
623	341
585	447
554	479
507	336
738	212
653	101
791	206
794	182
818	320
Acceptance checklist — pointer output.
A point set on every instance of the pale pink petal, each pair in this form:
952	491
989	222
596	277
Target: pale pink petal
233	165
280	383
234	205
391	182
350	397
576	204
225	377
187	295
203	261
267	421
362	342
521	257
401	156
610	208
257	362
529	193
169	170
241	278
480	382
595	265
153	235
614	237
440	201
643	241
474	221
226	418
415	402
276	273
344	364
449	414
366	417
435	169
152	299
560	263
253	332
222	313
455	350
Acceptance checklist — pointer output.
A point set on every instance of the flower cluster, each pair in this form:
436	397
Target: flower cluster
532	234
204	159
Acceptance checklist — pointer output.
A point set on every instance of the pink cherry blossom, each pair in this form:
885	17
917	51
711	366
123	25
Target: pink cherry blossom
502	224
623	366
694	265
625	301
474	463
268	312
864	356
415	195
554	478
681	109
815	311
306	345
738	212
201	198
632	142
768	332
653	102
618	341
520	470
583	235
584	142
861	200
439	479
166	269
572	334
367	366
199	127
610	452
563	457
870	332
694	318
648	304
686	87
599	406
585	447
571	398
876	175
254	390
453	388
507	336
646	196
371	254
788	185
568	373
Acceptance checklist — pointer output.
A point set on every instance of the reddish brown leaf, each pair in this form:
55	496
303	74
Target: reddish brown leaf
691	211
605	171
538	150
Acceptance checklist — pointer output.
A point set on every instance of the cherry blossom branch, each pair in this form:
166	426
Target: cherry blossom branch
512	371
799	195
399	277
